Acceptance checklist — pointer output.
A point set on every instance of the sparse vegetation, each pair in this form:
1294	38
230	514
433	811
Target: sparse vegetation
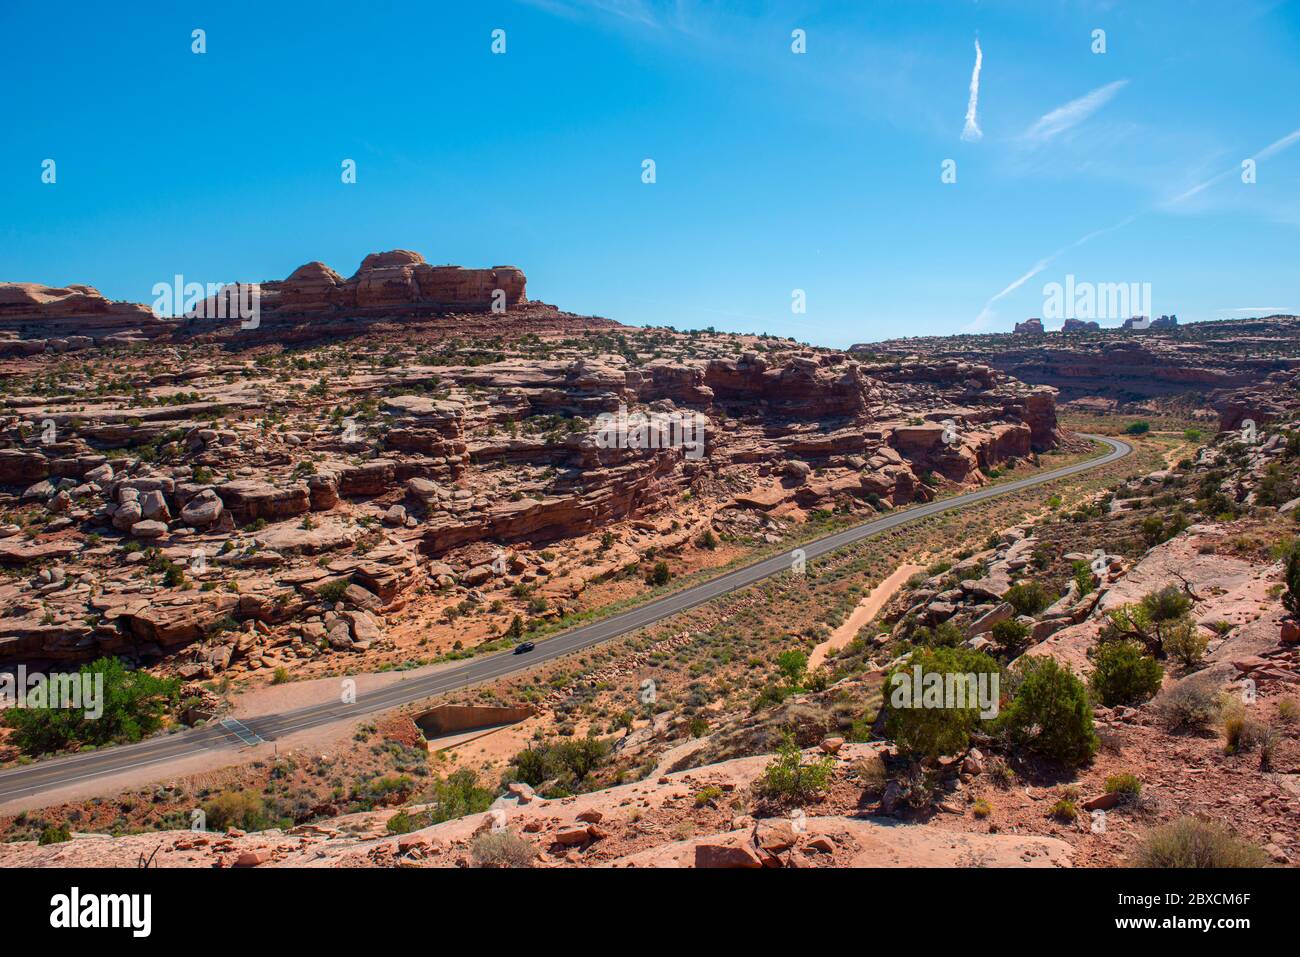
1191	842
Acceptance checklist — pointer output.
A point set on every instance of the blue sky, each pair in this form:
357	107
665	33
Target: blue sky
775	171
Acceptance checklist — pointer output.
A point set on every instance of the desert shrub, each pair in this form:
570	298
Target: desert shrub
502	849
1065	811
1140	427
999	773
1241	732
403	822
1124	784
1288	710
1050	712
54	834
707	795
1188	706
917	785
708	540
915	724
1184	642
1191	842
793	665
1167	604
242	809
134	704
871	772
1148	622
1011	636
1028	598
1082	572
1123	674
1157	530
457	795
659	574
943	635
788	778
1291	576
333	591
981	809
567	762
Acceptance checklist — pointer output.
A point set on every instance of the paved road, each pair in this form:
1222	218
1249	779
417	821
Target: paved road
157	751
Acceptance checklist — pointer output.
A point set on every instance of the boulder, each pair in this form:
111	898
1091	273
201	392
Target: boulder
203	509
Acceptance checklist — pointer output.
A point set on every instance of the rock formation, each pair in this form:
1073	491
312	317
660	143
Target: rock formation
35	319
393	286
1126	365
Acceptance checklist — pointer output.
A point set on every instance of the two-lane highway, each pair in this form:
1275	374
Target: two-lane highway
59	772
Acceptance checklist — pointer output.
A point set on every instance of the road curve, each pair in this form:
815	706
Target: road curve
72	769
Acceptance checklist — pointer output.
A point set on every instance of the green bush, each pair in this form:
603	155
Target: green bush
1291	597
788	778
333	591
1167	604
403	823
922	731
1065	811
1083	577
54	834
943	635
568	762
1191	842
793	665
457	795
1140	427
1050	712
1183	641
1028	598
1011	636
1123	674
1125	784
659	574
134	705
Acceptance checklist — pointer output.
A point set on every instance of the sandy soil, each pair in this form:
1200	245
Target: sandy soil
867	609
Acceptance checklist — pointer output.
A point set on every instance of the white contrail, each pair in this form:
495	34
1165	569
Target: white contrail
987	312
1272	149
972	131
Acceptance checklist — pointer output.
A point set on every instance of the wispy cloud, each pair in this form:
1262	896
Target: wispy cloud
1272	149
635	11
972	130
1253	311
1063	118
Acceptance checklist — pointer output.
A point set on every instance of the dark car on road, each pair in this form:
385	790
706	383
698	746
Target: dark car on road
525	647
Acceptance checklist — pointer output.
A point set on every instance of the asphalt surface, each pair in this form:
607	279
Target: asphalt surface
58	772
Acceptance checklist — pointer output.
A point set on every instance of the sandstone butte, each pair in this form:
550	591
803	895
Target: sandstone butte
390	285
